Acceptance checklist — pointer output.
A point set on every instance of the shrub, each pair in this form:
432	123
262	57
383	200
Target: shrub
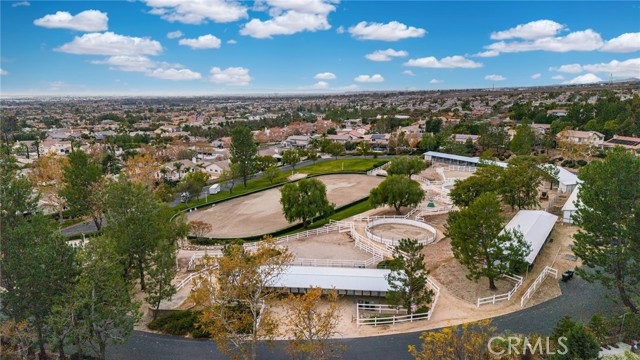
179	323
582	162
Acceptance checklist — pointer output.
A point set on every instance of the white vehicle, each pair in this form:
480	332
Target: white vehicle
214	189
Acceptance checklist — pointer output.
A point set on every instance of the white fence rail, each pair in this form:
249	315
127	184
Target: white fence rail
394	242
461	168
502	297
532	289
334	263
394	311
375	170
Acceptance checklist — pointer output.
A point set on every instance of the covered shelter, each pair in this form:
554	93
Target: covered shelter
571	206
535	226
460	160
346	281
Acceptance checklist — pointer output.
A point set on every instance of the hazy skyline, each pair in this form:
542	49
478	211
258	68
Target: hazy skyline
171	47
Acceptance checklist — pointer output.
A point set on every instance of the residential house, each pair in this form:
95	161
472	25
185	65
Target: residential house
462	138
557	112
591	138
627	142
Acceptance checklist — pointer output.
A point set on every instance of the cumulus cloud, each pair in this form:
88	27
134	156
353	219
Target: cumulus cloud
558	77
408	72
89	20
448	62
321	85
109	43
624	43
175	34
230	76
569	68
376	78
532	30
392	31
583	79
436	81
386	55
4	72
21	3
197	11
587	40
325	76
174	74
231	42
340	30
137	63
202	42
495	78
289	17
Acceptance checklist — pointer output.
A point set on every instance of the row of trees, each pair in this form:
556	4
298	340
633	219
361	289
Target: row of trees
82	298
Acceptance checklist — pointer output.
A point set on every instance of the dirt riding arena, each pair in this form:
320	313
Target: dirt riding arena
331	246
261	213
400	231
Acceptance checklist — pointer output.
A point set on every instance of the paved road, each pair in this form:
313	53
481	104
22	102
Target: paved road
580	300
89	226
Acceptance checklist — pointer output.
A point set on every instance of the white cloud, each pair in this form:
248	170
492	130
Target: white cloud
386	55
369	79
109	43
619	69
21	3
486	54
325	76
289	17
4	72
321	85
586	40
89	20
558	77
495	78
392	31
583	79
448	62
624	43
436	81
202	42
197	11
569	68
230	76
409	72
174	74
340	29
231	42
529	31
175	34
136	63
536	76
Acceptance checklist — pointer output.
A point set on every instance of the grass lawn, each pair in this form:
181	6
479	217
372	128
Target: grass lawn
317	168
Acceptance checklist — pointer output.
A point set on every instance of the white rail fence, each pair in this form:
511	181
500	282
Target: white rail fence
502	297
375	170
334	263
394	242
536	284
364	312
461	168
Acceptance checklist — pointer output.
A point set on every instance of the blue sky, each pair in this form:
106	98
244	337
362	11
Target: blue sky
284	46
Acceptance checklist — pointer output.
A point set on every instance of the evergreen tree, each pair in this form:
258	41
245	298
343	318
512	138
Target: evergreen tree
408	277
243	152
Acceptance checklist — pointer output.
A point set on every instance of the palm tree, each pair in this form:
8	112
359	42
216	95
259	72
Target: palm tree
178	166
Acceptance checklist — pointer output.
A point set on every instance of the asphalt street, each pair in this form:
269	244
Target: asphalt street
579	299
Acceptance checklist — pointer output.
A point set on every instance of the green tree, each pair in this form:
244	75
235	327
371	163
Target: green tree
520	182
304	200
429	142
291	157
408	277
160	276
82	179
397	191
335	149
264	162
137	224
492	137
192	184
312	155
363	148
406	165
107	310
523	141
608	216
480	244
485	179
271	173
574	341
243	152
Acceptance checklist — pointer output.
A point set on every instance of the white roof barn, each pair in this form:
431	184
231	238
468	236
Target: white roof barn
535	226
349	281
571	206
